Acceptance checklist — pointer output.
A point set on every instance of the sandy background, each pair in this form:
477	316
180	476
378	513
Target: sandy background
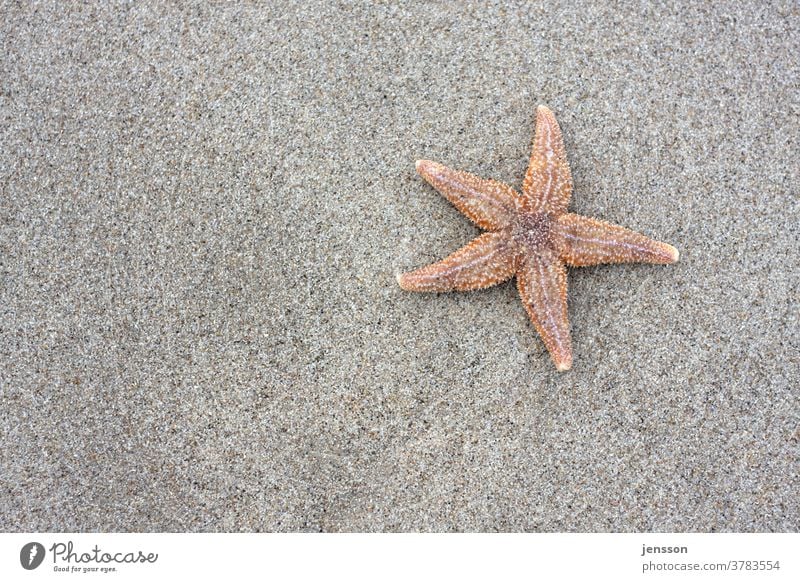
203	210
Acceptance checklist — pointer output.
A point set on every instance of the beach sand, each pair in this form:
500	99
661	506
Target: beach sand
203	211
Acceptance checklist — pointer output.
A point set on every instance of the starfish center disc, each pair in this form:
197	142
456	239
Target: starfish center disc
533	230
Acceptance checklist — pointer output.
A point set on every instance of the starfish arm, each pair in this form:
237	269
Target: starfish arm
542	284
584	241
489	204
548	181
486	261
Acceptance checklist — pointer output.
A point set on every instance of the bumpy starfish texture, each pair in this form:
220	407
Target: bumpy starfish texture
531	236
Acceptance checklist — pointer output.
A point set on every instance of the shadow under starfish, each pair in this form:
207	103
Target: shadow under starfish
531	236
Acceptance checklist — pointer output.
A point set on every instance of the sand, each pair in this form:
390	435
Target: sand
203	210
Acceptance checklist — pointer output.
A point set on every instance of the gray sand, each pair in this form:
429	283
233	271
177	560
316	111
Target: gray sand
204	209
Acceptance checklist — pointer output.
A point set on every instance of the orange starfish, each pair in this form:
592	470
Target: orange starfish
531	236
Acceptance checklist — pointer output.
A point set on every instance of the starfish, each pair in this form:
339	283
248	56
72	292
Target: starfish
531	236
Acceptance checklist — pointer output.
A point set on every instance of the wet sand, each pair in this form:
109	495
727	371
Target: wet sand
203	212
